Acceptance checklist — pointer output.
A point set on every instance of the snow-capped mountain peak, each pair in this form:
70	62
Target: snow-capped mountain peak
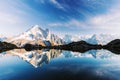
34	33
35	27
37	35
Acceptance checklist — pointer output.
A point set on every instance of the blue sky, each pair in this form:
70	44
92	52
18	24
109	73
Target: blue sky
60	16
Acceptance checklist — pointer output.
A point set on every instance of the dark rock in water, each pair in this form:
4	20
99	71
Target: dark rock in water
4	46
29	47
113	46
114	42
80	46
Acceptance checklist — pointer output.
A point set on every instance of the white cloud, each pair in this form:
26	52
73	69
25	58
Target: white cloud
40	1
15	17
8	19
76	23
109	21
55	24
9	24
72	23
103	23
57	4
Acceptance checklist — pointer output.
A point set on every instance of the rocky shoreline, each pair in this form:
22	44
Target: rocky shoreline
80	46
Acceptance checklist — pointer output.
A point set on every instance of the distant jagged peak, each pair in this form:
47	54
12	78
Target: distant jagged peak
36	28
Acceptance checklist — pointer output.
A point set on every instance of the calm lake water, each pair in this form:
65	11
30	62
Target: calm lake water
59	65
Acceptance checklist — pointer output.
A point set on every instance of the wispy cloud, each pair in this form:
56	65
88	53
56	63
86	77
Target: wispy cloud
57	4
16	17
53	2
40	1
108	22
8	19
72	23
20	15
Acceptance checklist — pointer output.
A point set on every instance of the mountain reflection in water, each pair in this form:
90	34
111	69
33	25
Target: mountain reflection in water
36	57
59	65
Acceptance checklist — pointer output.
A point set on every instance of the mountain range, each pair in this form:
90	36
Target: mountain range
37	35
102	39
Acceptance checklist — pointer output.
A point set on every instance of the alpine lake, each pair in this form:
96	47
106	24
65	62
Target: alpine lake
19	64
